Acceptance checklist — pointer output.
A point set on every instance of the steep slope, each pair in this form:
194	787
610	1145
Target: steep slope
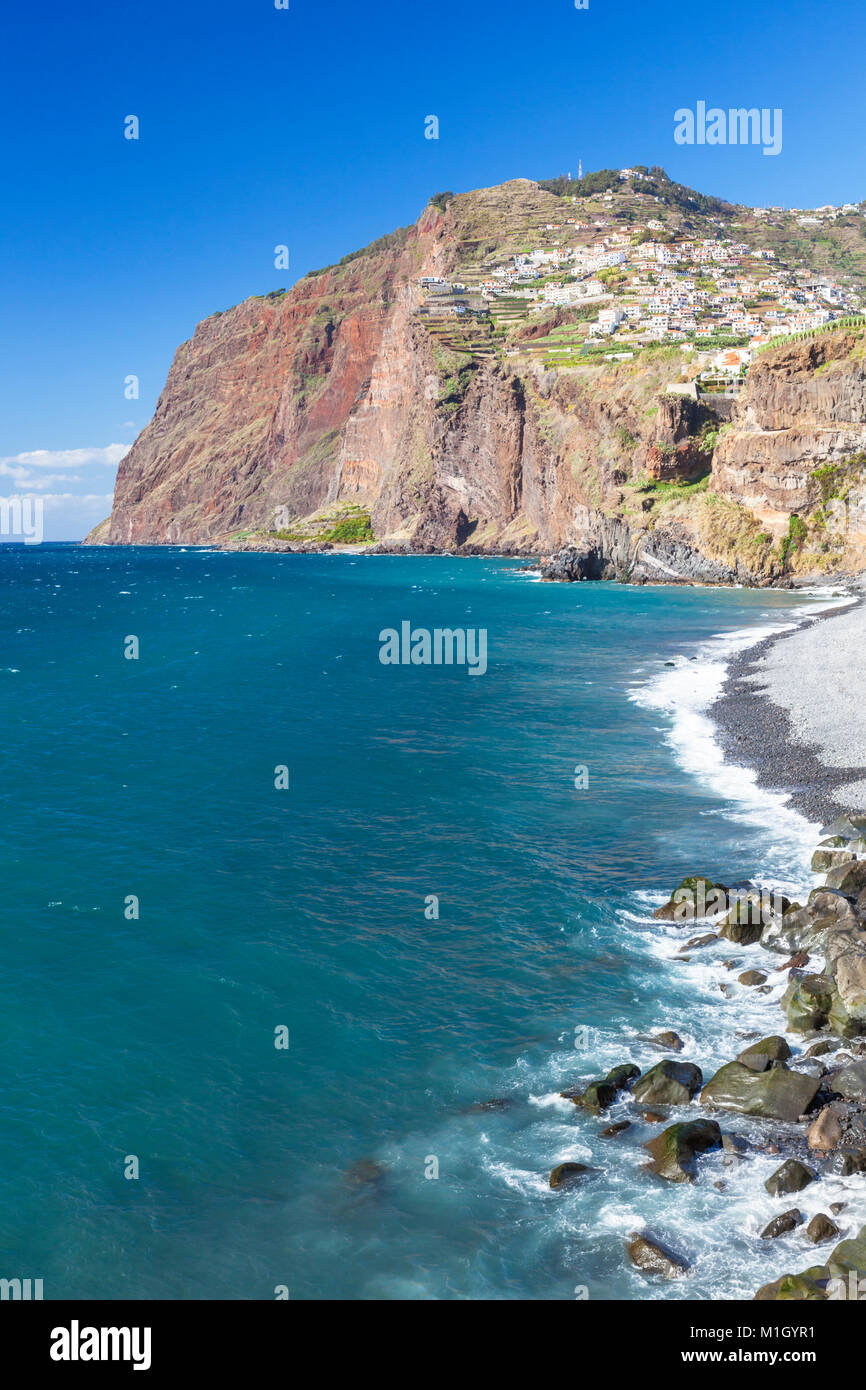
339	412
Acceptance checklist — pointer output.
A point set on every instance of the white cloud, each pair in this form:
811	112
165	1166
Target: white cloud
69	515
66	458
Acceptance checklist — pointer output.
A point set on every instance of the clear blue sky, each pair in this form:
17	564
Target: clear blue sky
306	127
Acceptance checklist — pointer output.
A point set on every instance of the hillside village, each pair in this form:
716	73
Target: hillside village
621	269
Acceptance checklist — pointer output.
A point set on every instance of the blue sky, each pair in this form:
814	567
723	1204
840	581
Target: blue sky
305	127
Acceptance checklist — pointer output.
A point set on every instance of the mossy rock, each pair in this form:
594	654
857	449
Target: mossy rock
669	1083
691	900
597	1096
824	859
673	1153
651	1257
622	1077
776	1094
760	1055
807	1003
850	1255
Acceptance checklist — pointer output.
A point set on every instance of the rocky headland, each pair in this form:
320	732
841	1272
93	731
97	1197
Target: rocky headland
341	413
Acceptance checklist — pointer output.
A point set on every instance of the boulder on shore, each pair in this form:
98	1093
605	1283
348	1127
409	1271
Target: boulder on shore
850	1082
761	1055
821	1228
694	898
668	1083
807	1003
673	1153
826	1132
849	1257
651	1257
793	1176
782	1225
777	1094
850	879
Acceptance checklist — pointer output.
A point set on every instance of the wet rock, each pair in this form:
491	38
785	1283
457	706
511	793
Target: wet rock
751	914
735	1144
776	1094
826	1132
851	1082
761	1055
798	961
807	1003
838	1207
846	959
668	1083
697	943
653	1117
845	1161
567	1174
850	879
485	1106
782	1225
848	1257
805	929
820	1049
742	933
845	827
673	1153
824	859
793	1176
651	1257
621	1077
821	1228
597	1096
613	1131
752	977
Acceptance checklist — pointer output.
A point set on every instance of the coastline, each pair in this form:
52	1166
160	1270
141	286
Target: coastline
778	1105
767	720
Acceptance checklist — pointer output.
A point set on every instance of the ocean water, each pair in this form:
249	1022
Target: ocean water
304	908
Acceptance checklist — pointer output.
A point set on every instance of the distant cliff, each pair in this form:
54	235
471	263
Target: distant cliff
337	413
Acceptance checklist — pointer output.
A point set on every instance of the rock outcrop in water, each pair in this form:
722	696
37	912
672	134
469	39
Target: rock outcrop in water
805	1100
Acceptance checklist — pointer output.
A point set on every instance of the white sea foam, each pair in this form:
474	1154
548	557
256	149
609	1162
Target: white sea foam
685	694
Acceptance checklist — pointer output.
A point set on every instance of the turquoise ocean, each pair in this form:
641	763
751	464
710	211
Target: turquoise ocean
363	1161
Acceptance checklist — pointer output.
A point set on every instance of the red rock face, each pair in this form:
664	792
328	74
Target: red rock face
803	407
336	393
253	413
